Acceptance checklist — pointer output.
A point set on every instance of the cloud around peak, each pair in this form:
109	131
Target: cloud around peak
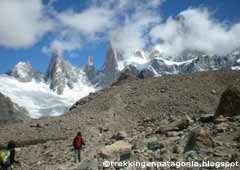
196	29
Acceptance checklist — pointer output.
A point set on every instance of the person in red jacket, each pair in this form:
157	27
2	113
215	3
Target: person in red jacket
77	145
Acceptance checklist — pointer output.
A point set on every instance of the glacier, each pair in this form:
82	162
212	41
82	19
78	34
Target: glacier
39	99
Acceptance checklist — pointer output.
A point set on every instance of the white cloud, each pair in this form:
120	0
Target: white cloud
196	29
60	46
67	40
132	34
77	29
128	24
89	22
111	20
138	19
22	23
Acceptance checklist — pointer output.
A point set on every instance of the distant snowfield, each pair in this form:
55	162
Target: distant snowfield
38	99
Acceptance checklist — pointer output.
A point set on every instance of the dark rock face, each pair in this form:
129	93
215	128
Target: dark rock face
110	72
145	73
90	70
230	102
11	112
24	72
61	73
129	73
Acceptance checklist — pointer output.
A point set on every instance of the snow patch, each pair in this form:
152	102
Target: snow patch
170	62
235	68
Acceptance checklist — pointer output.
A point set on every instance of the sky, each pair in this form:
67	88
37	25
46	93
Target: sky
30	30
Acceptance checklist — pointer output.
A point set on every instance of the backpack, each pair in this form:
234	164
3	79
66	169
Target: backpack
4	156
77	143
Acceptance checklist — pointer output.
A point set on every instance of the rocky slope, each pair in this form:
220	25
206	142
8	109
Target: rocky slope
154	119
11	112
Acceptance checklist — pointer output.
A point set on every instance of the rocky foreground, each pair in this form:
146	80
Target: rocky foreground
169	118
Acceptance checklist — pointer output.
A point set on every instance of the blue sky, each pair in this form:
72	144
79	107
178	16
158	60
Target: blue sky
84	28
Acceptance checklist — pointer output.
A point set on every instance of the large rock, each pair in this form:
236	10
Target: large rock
116	151
145	73
177	125
121	135
199	139
230	102
126	74
154	144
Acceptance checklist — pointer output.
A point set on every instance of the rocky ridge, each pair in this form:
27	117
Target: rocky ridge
11	112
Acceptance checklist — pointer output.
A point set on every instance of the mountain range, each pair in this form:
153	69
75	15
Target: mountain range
54	92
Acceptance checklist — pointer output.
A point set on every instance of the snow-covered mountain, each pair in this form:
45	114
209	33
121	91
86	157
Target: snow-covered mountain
61	74
24	72
46	95
155	63
63	84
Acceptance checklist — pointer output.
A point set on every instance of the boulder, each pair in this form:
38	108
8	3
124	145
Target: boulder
183	124
175	126
192	156
199	138
120	135
206	118
222	127
213	92
117	150
154	144
220	119
230	102
146	73
177	149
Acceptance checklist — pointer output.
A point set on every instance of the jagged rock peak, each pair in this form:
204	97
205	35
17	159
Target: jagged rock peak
24	72
90	61
111	59
61	73
140	53
110	70
90	70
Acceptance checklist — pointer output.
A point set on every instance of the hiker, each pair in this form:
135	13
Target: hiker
7	156
77	144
